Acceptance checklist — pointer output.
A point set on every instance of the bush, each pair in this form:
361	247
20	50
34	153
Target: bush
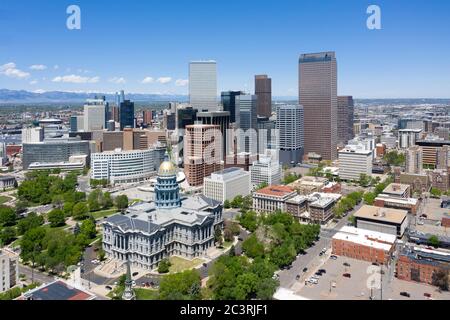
163	266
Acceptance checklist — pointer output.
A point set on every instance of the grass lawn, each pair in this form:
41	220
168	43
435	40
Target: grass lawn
227	244
104	213
4	199
146	294
180	264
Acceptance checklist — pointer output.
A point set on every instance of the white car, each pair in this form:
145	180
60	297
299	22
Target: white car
313	281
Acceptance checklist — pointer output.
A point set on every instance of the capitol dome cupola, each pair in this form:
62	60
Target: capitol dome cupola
167	191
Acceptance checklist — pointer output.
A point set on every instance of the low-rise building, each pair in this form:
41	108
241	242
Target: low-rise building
7	182
398	190
409	204
272	198
227	184
421	265
362	244
120	166
9	269
59	291
321	205
385	220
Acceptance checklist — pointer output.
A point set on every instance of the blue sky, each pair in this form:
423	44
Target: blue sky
137	39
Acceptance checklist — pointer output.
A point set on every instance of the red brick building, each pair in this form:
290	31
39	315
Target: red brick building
363	245
419	265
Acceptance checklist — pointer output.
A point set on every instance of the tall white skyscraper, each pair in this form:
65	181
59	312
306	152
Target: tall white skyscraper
203	85
290	123
94	114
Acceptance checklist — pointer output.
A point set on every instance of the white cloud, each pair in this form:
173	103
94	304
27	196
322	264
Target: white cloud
164	80
117	80
76	79
181	82
39	67
33	82
10	70
7	66
39	91
148	80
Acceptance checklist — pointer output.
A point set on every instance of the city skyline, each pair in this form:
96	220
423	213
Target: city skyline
158	40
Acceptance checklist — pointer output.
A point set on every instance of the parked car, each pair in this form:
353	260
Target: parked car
405	294
318	273
322	271
375	264
313	281
108	288
428	295
305	269
205	265
333	257
346	264
347	275
297	277
135	274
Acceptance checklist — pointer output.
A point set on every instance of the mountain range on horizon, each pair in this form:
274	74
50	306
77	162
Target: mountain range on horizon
8	96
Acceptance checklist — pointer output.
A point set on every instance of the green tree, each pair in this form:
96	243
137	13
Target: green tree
369	198
88	228
67	208
435	192
108	202
8	216
80	211
31	221
227	204
434	241
266	288
218	238
56	218
7	235
252	247
121	202
180	286
249	220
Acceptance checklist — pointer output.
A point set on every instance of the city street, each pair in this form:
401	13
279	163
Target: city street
288	277
38	276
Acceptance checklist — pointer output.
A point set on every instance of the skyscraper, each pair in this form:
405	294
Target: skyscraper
202	152
345	117
203	85
95	111
228	99
247	121
414	161
126	114
290	126
263	90
318	95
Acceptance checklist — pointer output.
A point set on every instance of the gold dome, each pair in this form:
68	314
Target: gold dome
167	168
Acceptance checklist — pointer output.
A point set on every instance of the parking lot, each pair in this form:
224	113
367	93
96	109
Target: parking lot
334	286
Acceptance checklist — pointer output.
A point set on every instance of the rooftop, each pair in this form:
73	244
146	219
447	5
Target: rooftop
57	290
396	189
276	190
381	214
367	238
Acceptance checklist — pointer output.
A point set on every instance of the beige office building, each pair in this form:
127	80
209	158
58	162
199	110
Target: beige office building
318	96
